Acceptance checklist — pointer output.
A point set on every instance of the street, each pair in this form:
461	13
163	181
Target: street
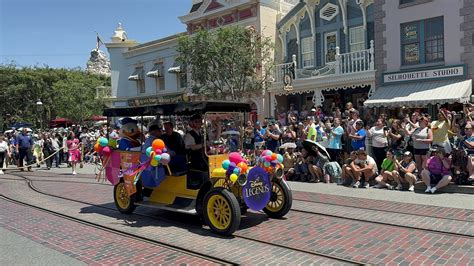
73	219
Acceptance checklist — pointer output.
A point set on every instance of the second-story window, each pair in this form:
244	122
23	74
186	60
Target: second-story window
183	77
356	39
422	41
138	77
157	72
307	52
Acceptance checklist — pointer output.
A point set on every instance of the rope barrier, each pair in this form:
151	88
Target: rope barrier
42	161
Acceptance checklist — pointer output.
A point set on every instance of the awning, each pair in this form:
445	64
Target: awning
176	68
421	93
136	75
156	71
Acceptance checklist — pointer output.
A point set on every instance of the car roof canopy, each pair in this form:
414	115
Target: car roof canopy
186	108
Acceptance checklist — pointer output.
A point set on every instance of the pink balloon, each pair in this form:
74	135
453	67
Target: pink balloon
235	157
268	158
158	151
106	150
264	153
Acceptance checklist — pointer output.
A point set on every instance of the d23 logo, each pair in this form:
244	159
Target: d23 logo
257	190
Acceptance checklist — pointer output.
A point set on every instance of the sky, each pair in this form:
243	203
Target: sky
61	33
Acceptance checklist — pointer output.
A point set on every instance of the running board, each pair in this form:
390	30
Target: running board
168	207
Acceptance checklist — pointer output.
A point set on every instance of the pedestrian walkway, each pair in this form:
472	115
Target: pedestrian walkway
16	249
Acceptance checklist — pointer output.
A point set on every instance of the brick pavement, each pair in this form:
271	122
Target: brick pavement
193	237
359	240
85	243
91	192
391	244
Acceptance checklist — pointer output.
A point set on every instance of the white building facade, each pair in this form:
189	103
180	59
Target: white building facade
144	74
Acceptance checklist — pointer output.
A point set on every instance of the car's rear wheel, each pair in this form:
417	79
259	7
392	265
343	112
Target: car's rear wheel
123	202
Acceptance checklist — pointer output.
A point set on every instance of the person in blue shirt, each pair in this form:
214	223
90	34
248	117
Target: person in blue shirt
358	138
259	133
24	145
335	145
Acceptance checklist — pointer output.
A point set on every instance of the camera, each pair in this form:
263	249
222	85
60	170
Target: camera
385	128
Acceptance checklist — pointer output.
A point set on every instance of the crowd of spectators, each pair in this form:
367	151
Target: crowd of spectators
378	151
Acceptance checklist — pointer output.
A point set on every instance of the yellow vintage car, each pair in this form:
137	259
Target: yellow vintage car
213	193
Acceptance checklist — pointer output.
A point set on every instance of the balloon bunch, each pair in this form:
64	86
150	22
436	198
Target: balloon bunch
101	147
235	166
157	153
269	160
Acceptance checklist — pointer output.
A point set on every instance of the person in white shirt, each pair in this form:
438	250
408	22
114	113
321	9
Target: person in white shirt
364	164
3	152
378	134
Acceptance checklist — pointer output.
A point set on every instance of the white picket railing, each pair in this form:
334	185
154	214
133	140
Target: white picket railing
353	62
347	63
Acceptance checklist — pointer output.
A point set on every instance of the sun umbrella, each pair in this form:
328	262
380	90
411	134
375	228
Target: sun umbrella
230	132
288	145
313	146
27	129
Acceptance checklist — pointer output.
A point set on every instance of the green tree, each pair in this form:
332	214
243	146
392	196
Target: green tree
229	61
68	93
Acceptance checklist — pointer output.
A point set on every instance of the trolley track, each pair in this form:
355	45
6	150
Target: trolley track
121	233
314	253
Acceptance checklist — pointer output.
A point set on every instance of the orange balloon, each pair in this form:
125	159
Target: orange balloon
158	144
97	147
243	166
274	156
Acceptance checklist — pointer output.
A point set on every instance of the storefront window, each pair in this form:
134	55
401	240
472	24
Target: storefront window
410	43
434	40
422	41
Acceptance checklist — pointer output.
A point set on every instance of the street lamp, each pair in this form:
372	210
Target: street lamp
39	108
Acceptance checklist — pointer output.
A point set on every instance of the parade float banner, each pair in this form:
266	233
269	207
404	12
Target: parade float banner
257	190
112	168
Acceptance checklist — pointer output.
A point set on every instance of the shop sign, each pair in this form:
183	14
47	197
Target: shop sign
163	99
438	73
257	190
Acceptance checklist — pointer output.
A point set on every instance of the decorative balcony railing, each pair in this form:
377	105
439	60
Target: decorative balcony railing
347	63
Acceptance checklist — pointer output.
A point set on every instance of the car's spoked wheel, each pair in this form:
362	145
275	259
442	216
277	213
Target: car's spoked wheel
221	211
123	202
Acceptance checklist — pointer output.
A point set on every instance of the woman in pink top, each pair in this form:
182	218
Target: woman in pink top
436	173
73	147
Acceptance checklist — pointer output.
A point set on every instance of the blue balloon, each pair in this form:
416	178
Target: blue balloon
158	157
225	164
280	158
237	170
148	151
267	164
269	153
103	142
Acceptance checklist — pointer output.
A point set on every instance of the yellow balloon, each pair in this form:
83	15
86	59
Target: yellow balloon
154	163
233	177
152	154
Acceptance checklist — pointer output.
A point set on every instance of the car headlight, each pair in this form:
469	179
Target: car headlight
242	180
279	173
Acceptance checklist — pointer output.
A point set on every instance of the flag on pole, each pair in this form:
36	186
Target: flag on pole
99	42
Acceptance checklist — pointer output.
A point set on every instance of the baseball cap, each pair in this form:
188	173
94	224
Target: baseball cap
407	153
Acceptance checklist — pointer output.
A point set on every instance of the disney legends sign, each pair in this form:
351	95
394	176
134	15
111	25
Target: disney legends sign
437	73
257	190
